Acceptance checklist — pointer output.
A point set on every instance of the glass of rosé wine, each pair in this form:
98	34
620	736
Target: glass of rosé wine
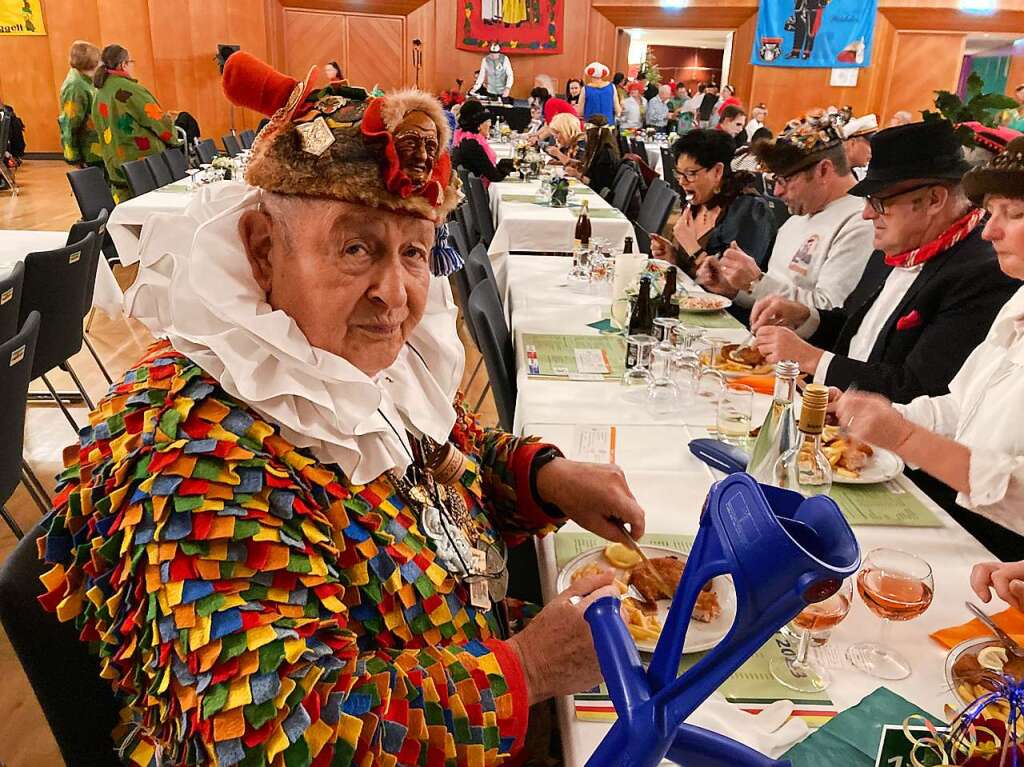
895	586
800	672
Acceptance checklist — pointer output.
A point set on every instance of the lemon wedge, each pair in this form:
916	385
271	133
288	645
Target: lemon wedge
993	658
621	555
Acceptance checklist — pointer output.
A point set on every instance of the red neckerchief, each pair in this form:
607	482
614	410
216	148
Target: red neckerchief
940	244
119	72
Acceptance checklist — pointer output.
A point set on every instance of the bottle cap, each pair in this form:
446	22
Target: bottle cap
787	369
815	405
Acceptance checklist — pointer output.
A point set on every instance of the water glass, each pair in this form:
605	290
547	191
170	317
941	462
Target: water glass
735	410
663	397
663	327
710	385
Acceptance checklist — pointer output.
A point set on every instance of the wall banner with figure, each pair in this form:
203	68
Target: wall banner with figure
814	33
518	26
21	17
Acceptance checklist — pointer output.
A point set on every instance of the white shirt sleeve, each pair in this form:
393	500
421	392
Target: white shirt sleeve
937	414
511	75
821	371
810	326
480	77
844	264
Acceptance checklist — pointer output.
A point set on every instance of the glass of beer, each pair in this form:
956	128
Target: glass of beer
798	671
895	586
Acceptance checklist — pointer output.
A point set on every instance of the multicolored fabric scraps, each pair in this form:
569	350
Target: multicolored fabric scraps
131	125
251	607
78	137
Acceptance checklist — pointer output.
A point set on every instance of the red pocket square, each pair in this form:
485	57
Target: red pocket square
908	321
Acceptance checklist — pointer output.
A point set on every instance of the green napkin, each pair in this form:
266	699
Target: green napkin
605	326
174	188
851	738
605	213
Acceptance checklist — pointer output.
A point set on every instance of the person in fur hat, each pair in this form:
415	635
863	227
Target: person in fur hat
283	531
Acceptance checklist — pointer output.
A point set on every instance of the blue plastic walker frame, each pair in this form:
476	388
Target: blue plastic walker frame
783	552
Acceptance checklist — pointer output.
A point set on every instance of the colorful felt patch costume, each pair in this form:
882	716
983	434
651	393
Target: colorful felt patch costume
251	607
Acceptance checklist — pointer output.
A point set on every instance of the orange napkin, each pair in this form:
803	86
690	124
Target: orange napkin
763	384
1009	620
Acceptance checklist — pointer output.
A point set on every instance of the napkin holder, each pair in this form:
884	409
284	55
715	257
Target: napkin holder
783	553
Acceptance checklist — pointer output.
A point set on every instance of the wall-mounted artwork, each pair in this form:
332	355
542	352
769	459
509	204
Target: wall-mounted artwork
814	33
518	26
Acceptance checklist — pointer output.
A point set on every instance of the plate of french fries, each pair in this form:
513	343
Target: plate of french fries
858	463
644	602
971	667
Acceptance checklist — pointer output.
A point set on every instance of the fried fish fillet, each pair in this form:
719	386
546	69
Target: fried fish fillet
671	571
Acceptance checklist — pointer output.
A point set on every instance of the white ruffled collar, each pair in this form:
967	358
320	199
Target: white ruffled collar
195	288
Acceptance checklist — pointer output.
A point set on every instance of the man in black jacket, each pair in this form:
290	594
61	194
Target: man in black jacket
929	292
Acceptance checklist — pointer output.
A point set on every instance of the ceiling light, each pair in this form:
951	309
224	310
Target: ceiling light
674	3
978	6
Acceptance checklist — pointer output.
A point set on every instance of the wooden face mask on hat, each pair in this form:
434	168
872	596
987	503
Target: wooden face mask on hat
336	142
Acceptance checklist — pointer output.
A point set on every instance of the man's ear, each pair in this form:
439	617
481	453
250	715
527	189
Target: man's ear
255	228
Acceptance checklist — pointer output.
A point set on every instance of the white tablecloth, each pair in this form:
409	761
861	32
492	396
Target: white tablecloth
671	485
15	244
128	217
526	226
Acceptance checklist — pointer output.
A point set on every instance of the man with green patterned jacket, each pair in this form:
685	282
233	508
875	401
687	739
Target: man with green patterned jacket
130	122
78	137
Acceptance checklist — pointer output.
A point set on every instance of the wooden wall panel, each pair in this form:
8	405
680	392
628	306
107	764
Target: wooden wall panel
312	38
29	87
741	71
922	63
126	22
1016	74
63	29
376	52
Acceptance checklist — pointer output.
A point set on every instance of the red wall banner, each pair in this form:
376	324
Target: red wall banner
518	26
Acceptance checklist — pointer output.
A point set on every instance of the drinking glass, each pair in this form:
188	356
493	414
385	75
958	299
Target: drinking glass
895	586
686	336
711	382
800	672
621	310
735	410
638	376
684	371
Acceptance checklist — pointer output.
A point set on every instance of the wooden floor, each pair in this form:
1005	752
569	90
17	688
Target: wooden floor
45	202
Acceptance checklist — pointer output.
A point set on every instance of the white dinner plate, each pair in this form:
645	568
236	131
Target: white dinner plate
721	303
883	466
699	636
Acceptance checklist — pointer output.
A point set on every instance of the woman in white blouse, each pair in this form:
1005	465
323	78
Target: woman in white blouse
972	439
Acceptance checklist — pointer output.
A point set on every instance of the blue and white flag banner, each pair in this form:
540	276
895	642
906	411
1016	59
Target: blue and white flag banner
829	34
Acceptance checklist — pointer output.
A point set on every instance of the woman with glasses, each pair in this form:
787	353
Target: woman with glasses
130	122
723	206
972	439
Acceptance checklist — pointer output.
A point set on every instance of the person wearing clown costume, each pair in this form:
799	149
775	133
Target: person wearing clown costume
283	531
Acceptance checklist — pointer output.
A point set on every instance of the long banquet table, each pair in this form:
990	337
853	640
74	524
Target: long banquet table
671	485
126	221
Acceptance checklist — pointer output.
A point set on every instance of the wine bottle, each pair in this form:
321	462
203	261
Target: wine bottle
583	226
666	306
805	468
641	321
778	432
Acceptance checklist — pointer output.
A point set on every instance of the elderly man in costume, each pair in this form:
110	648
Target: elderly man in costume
495	77
282	530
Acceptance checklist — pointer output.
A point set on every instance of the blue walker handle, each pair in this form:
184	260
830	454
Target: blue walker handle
726	458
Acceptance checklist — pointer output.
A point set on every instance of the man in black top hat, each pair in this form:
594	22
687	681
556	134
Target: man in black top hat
929	292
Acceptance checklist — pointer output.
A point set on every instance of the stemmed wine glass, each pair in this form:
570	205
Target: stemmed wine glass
895	586
801	673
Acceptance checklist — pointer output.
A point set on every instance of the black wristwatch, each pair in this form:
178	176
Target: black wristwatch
540	460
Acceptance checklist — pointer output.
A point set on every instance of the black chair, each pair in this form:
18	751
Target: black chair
78	232
161	171
10	300
56	282
606	193
140	179
624	190
246	138
780	212
487	316
6	174
668	169
231	145
263	124
481	209
15	374
176	161
464	215
79	706
457	232
639	148
206	150
654	212
479	267
89	186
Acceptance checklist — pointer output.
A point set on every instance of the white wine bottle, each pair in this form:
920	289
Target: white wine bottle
805	468
778	432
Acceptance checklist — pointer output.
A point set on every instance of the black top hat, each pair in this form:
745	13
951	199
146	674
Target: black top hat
473	114
924	150
1003	175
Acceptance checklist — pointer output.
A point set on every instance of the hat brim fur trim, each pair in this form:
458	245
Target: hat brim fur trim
279	164
985	181
400	103
783	158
